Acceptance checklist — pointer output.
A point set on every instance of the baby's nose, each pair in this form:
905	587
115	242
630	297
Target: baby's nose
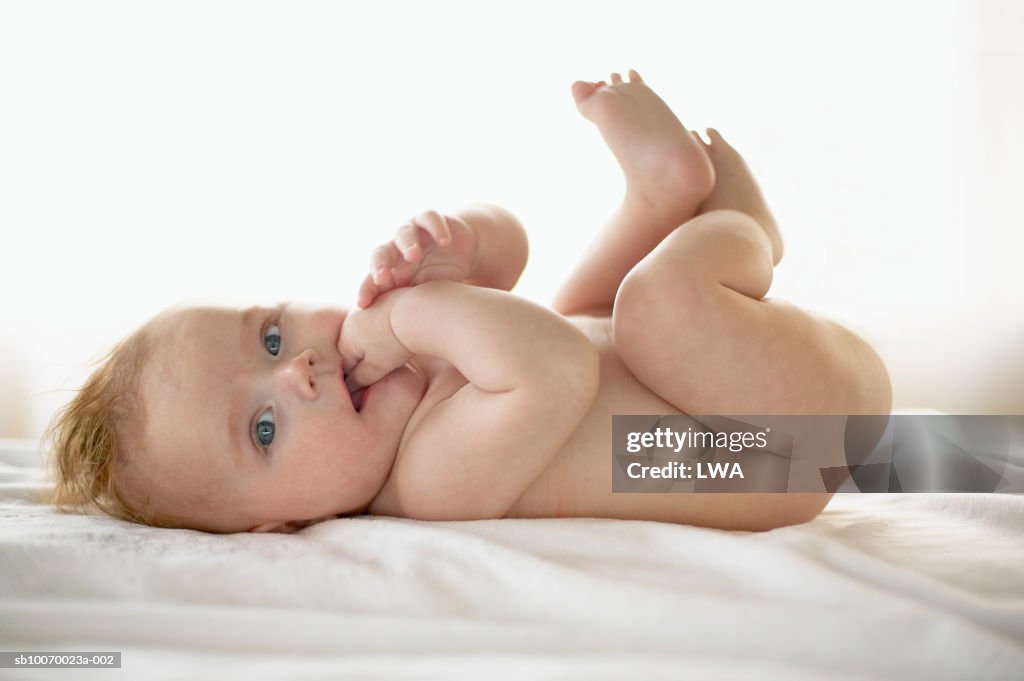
299	373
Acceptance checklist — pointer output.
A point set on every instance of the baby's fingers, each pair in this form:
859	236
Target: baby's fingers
351	379
436	225
364	373
407	242
368	292
381	261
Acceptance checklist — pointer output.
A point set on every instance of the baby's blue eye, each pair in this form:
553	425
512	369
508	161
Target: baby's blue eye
265	428
272	340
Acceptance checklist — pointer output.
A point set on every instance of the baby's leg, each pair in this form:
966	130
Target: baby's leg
667	176
691	322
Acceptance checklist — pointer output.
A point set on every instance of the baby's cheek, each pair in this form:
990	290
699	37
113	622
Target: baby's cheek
322	438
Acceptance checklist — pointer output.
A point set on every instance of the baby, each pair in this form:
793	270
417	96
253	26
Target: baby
444	397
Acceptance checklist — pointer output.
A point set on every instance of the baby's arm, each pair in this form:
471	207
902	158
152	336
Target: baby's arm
532	377
482	245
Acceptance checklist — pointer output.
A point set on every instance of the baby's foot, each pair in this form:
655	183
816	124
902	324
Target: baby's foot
736	188
663	165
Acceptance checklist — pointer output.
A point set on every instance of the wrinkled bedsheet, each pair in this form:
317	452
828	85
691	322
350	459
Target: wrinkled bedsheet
915	586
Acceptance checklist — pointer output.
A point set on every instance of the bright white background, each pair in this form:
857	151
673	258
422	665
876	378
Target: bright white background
152	153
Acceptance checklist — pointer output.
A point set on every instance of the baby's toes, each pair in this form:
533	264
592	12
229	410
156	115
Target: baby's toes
616	79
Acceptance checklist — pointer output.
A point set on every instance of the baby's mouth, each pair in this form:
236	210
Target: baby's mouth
355	395
357	398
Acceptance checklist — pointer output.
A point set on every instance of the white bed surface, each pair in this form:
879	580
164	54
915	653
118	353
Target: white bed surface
887	586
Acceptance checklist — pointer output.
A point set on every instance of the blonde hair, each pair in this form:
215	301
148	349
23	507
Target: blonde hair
86	439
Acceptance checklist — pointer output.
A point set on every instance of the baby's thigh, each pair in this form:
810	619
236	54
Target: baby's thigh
686	353
707	349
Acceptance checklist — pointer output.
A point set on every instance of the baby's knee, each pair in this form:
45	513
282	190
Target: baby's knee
645	328
669	278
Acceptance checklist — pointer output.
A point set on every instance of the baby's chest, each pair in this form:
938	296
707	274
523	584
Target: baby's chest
588	452
578	479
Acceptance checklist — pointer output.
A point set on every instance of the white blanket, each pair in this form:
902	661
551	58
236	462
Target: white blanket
887	586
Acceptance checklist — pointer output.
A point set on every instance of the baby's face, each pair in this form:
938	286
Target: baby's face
249	423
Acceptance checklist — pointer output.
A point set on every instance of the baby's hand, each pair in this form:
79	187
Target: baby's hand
430	246
368	345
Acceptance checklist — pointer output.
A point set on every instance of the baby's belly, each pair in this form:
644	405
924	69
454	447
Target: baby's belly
578	481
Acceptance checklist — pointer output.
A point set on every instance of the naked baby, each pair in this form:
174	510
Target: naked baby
445	397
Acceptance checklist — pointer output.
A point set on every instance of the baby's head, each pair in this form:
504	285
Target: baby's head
227	420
